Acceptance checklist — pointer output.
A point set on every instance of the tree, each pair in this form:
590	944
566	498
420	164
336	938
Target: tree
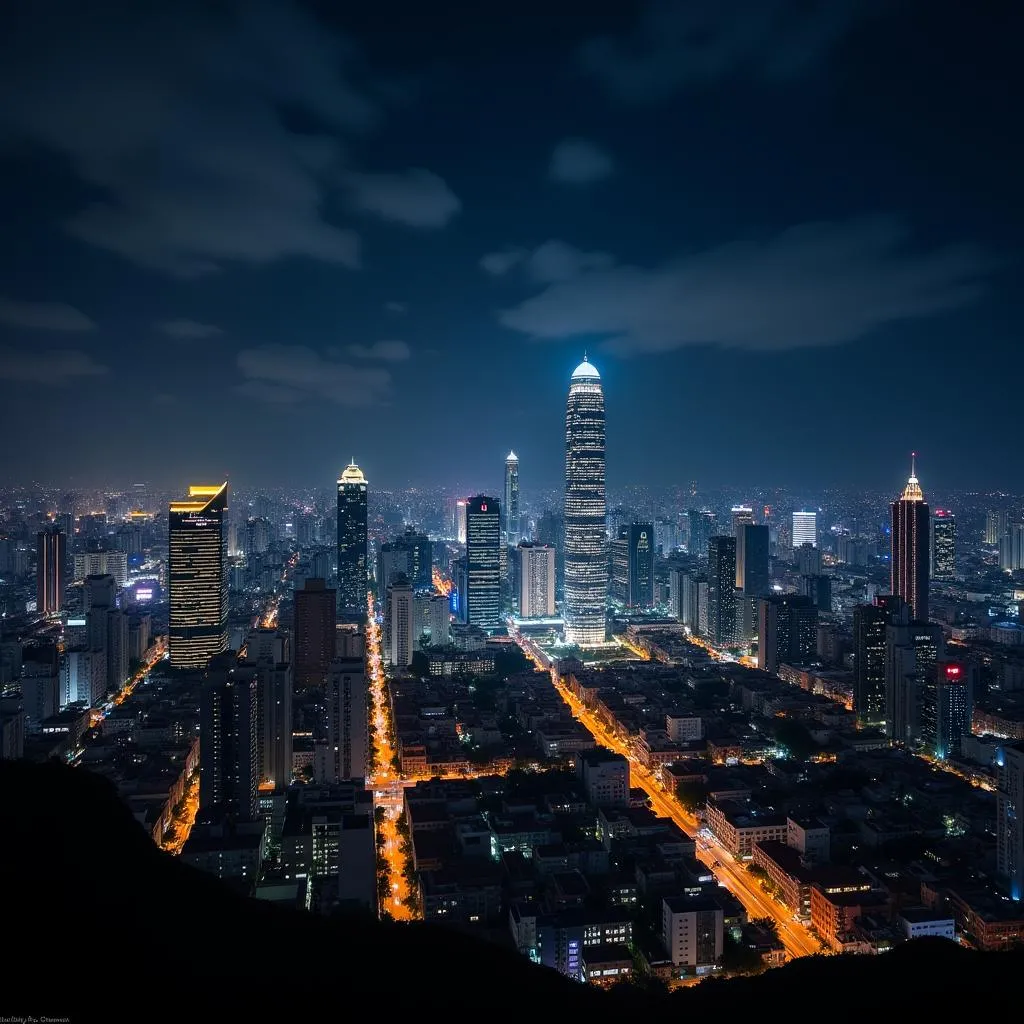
739	958
692	795
795	737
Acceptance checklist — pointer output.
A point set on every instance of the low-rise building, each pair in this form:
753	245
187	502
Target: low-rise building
739	826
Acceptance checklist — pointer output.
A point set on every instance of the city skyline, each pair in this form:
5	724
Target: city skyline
809	235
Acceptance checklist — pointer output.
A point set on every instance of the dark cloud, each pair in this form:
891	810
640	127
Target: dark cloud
173	113
385	351
397	308
285	374
52	366
415	197
579	162
549	263
187	330
677	43
814	284
44	316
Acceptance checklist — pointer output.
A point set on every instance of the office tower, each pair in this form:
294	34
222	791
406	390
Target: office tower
742	515
40	683
787	631
1010	818
910	547
911	651
106	630
586	568
393	559
675	593
722	590
483	562
703	616
703	526
551	531
1011	548
316	619
197	578
460	520
641	566
618	567
689	599
942	547
353	579
947	706
807	559
346	726
752	574
269	657
995	526
229	737
83	677
805	528
433	620
401	631
536	580
50	561
819	590
510	522
869	625
259	535
101	563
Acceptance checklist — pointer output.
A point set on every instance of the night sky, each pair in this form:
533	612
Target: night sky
259	238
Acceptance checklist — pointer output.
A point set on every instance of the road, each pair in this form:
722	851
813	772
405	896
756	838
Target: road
730	873
386	782
184	821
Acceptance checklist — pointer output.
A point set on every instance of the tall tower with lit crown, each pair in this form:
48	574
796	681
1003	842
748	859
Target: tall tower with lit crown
586	564
352	558
510	516
910	543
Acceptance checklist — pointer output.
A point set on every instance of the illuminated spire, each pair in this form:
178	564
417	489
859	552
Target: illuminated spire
352	474
586	370
913	492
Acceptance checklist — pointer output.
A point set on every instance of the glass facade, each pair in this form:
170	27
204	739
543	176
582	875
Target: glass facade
197	577
483	562
586	565
353	580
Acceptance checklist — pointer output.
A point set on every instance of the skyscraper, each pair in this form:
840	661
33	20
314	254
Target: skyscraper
316	617
752	559
197	577
805	528
460	520
722	590
401	630
536	580
943	545
787	631
347	724
910	547
268	656
869	625
996	522
510	520
228	737
1010	818
353	580
483	562
640	591
742	515
586	567
911	651
947	707
50	562
1011	548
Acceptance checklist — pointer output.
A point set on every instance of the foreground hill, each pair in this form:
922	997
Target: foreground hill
103	924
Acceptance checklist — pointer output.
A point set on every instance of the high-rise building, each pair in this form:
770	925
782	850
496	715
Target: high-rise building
640	592
510	521
316	619
618	566
1010	818
869	626
197	577
805	528
51	557
393	559
910	529
752	573
401	630
722	590
1011	548
787	631
742	515
353	577
586	567
268	654
551	531
483	562
995	526
460	520
229	737
947	706
536	580
807	559
347	723
942	548
819	590
101	563
911	652
433	619
703	526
